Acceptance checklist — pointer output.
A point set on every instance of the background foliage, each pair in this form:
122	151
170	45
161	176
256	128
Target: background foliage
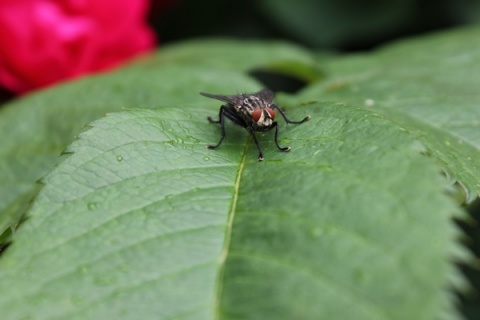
333	25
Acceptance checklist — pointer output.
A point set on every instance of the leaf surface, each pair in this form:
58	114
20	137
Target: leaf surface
141	221
429	85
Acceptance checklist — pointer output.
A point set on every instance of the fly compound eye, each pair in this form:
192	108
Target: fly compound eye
257	114
271	113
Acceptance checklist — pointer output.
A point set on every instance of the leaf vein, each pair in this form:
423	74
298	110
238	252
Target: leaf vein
228	234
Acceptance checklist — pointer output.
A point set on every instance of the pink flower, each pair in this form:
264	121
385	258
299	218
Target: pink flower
46	41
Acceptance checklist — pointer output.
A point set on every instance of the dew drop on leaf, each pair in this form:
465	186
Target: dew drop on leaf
92	205
193	139
369	102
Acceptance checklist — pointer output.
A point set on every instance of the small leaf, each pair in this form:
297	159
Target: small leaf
141	221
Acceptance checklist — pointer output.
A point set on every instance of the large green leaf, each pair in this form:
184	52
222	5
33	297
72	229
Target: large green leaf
141	221
39	126
429	85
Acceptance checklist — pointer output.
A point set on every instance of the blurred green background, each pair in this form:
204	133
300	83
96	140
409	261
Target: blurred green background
327	25
340	25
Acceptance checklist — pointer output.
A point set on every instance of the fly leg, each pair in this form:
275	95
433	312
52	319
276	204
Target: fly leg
284	149
260	154
221	120
288	120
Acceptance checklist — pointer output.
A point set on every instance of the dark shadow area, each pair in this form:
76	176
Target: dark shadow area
344	26
5	95
276	81
5	240
186	19
469	302
3	247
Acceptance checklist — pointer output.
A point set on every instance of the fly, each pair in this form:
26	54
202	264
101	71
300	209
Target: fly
254	112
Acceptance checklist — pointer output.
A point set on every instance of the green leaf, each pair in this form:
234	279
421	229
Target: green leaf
247	56
141	221
42	124
429	86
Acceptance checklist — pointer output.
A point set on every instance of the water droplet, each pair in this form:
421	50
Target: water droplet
119	158
369	102
206	158
191	138
92	205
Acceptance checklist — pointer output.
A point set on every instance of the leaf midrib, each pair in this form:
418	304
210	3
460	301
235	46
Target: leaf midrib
228	234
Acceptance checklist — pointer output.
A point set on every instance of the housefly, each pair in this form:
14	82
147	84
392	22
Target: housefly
255	112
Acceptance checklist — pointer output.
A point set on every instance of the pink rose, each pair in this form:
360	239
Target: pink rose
46	41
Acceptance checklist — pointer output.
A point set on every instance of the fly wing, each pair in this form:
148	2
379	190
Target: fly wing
265	95
233	100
